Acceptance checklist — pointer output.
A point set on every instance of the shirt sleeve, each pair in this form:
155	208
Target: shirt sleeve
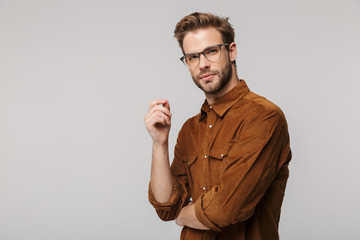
181	190
254	160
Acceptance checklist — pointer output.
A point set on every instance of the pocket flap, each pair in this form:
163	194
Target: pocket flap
219	153
189	158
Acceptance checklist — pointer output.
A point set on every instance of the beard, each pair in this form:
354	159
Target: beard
224	75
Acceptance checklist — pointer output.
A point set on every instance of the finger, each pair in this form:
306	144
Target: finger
157	117
159	108
157	102
149	118
165	117
163	120
167	104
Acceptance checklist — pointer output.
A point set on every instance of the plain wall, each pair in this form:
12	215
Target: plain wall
76	78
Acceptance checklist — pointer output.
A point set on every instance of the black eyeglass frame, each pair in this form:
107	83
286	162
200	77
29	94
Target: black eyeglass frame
203	53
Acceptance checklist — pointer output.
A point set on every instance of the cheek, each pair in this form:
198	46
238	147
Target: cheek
193	73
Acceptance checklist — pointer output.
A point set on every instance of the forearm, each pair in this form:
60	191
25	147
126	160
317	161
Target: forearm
188	218
161	177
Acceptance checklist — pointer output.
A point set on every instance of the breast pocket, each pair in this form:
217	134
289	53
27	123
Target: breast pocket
217	162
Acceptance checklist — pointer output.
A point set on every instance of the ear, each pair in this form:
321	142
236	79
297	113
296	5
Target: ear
232	51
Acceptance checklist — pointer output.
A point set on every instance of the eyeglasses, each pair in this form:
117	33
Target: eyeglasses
211	53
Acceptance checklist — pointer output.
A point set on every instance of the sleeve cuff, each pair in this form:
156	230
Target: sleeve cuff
172	201
201	216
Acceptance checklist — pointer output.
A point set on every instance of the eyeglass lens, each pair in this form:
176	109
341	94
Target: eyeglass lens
212	53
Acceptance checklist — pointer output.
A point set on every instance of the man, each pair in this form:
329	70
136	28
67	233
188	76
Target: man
230	169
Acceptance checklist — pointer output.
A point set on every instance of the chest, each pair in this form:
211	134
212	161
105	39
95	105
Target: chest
207	145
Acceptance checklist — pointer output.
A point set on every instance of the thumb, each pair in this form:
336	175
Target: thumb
166	104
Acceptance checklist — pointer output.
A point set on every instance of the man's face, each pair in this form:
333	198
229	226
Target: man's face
211	77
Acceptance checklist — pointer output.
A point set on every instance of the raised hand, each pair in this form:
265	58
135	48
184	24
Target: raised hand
158	121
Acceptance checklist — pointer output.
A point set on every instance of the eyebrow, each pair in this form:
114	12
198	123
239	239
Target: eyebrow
203	49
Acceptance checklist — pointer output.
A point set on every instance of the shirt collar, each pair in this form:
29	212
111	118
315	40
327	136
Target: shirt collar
222	105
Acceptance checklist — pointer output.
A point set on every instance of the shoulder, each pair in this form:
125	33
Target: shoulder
191	122
190	126
188	133
260	121
253	106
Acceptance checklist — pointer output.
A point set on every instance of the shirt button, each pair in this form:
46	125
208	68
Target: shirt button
204	188
222	155
205	156
210	126
210	106
188	163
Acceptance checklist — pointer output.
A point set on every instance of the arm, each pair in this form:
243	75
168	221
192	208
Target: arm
178	190
258	157
158	122
188	218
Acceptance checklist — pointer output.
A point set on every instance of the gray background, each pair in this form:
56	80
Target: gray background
76	78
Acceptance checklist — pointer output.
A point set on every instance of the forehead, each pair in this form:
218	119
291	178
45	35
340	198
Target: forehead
198	40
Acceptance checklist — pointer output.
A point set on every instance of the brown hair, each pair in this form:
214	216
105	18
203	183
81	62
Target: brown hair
198	20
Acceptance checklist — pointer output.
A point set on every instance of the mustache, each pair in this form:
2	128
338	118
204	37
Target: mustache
206	72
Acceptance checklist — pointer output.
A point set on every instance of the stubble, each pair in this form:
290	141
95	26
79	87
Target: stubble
224	77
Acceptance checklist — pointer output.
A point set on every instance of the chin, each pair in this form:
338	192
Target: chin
211	89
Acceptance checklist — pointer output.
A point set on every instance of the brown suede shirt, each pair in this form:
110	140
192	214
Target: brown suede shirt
232	161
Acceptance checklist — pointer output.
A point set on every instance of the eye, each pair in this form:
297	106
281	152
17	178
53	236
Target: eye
191	57
212	51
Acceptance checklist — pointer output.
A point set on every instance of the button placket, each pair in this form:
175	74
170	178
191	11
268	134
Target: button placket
211	119
209	129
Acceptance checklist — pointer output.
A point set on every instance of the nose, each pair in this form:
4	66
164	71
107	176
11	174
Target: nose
203	62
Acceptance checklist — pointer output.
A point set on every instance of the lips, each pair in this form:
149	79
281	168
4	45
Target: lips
207	76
